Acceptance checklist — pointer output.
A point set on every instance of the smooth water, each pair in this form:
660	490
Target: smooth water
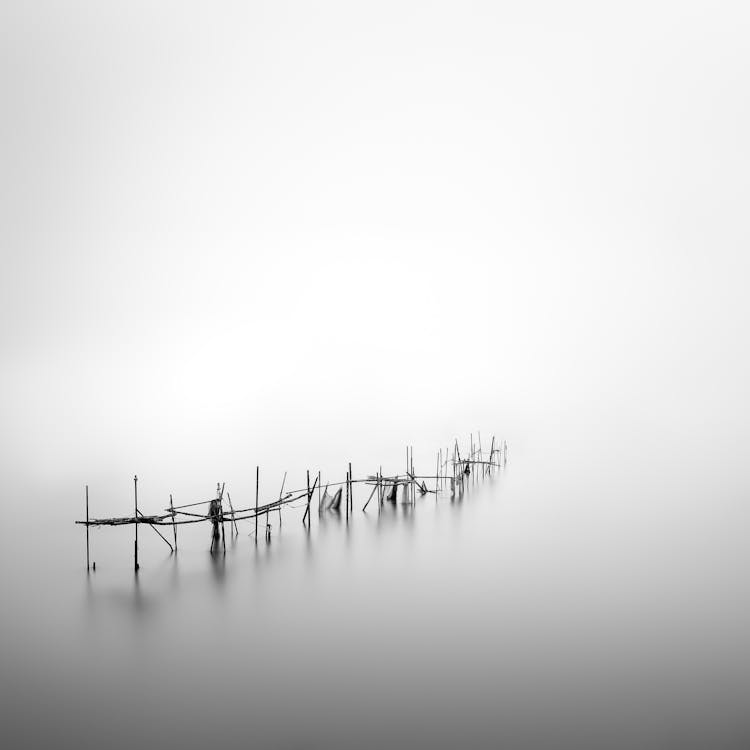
574	599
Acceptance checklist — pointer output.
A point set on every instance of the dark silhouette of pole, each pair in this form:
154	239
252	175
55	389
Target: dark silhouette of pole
351	486
174	528
257	482
135	485
87	527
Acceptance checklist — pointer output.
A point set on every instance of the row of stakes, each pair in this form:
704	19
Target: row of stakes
385	486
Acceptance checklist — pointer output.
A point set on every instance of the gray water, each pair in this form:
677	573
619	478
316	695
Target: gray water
581	597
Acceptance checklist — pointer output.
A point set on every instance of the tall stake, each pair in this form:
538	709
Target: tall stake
221	512
135	485
87	527
174	528
281	492
231	507
351	487
380	490
413	481
347	495
309	495
257	481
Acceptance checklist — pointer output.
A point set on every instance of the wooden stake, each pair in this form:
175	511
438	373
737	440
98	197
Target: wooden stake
221	516
158	532
281	492
307	509
236	530
380	491
87	527
351	487
370	498
413	481
174	528
135	485
257	482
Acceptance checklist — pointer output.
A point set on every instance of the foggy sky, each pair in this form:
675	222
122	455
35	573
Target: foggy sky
224	223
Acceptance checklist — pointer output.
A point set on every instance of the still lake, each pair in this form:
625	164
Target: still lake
571	600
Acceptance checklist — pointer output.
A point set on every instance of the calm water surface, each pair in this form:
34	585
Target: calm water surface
571	600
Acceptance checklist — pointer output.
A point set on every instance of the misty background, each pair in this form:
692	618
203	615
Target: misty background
298	234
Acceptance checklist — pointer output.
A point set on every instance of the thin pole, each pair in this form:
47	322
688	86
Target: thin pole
307	509
257	482
414	481
231	507
221	511
407	495
351	490
380	490
347	495
135	485
158	532
87	527
174	528
281	492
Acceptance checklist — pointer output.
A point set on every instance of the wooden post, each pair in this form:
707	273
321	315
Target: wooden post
380	491
307	509
135	549
375	486
220	492
414	481
174	528
281	492
87	527
231	507
351	487
257	481
347	495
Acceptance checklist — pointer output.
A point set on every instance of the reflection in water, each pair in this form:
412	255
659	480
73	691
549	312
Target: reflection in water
218	565
497	616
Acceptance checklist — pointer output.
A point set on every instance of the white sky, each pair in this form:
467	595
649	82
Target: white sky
223	221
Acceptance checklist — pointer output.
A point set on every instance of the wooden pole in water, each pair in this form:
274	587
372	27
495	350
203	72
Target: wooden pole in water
407	495
281	492
413	481
257	481
351	488
87	527
221	514
380	490
307	510
347	495
375	486
174	528
231	507
135	550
